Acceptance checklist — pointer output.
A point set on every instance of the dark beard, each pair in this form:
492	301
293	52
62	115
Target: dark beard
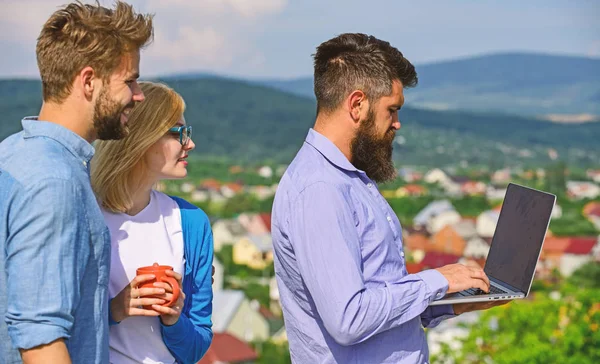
371	154
107	118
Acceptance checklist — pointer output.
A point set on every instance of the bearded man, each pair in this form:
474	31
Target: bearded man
339	260
54	244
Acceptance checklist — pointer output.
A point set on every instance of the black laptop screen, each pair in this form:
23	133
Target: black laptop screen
519	236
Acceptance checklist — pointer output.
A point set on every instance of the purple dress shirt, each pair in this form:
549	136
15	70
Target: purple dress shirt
339	262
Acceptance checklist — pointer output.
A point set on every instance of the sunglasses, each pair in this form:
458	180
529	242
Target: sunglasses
185	133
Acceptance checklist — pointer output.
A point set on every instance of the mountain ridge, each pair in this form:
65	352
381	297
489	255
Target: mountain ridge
244	121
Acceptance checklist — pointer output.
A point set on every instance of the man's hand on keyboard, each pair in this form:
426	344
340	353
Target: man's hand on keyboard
461	277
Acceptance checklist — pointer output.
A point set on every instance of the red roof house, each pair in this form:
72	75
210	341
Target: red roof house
437	259
581	245
226	348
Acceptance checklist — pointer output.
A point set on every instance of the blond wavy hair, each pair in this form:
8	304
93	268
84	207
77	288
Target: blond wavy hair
118	165
81	35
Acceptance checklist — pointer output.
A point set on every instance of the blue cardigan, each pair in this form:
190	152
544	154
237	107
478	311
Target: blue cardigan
189	338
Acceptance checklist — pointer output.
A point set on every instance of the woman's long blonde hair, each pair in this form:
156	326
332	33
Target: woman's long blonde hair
118	165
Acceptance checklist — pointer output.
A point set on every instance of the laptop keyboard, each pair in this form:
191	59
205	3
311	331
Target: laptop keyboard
477	291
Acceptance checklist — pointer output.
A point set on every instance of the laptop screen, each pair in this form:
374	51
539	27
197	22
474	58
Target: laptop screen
519	236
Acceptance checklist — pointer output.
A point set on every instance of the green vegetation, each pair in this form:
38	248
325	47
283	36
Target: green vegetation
408	207
204	167
245	123
271	353
236	205
18	98
576	226
245	278
588	276
471	206
259	292
225	256
572	222
243	203
560	327
556	178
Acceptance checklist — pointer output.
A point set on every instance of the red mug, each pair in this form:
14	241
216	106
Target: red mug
161	276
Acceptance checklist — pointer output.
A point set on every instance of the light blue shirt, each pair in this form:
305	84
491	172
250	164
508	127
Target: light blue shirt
339	262
54	246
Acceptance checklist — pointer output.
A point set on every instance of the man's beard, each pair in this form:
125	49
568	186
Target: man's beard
107	118
372	154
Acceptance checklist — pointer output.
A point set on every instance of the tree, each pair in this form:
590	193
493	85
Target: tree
471	205
238	204
556	180
225	256
408	207
272	353
259	292
588	276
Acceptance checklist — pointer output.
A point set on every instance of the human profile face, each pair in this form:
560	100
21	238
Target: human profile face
116	99
372	146
167	158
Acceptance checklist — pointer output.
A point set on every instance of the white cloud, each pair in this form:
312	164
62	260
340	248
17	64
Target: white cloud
249	9
207	35
594	49
191	45
252	9
23	20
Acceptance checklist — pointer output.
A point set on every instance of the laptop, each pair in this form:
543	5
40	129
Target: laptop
515	248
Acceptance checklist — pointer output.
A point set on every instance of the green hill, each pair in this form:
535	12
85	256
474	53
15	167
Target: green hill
246	122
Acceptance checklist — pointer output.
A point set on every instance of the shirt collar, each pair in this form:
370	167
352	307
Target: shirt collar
75	144
329	150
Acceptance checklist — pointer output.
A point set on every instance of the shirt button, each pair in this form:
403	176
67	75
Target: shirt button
402	254
389	218
85	163
369	185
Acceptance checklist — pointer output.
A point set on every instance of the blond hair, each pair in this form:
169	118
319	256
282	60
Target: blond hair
81	35
118	165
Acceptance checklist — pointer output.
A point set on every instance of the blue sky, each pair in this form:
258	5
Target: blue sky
275	38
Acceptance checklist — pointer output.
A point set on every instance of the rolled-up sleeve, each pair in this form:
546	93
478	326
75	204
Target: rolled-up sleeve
46	253
328	252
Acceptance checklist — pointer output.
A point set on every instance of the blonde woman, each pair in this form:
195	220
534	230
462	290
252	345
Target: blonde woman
148	226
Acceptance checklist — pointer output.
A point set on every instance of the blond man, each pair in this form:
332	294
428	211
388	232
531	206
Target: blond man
54	245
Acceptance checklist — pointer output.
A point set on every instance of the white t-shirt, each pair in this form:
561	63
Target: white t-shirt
153	235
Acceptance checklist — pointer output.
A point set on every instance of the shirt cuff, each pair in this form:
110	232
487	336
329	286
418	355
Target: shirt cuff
177	327
30	335
435	282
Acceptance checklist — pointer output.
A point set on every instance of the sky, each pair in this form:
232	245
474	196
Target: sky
258	39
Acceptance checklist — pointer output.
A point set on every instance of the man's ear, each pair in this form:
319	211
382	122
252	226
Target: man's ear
356	103
88	81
